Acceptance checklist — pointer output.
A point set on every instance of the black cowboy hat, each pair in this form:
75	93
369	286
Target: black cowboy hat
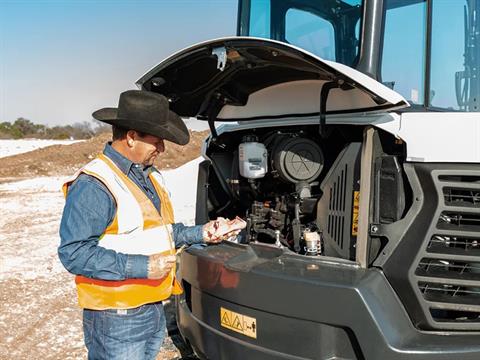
147	112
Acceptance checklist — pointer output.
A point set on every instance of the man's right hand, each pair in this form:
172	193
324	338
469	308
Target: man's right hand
160	265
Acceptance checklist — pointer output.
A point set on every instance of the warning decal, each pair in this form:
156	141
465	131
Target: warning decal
237	322
356	207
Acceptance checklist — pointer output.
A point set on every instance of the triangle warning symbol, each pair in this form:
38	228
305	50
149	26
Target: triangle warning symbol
236	324
225	320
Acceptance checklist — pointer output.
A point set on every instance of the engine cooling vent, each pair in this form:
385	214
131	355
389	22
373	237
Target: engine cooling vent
448	272
335	208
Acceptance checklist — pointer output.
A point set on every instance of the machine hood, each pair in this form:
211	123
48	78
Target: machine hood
243	78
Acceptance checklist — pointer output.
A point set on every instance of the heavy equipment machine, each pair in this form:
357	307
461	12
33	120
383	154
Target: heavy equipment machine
350	145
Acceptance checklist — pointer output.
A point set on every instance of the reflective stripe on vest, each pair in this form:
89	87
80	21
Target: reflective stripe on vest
137	228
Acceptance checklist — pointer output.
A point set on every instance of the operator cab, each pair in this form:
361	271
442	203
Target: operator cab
401	43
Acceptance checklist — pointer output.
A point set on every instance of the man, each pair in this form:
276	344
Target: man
118	234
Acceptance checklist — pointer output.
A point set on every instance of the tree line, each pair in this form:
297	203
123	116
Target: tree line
24	128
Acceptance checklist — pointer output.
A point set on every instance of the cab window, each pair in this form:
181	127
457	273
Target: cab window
310	32
445	75
403	60
329	29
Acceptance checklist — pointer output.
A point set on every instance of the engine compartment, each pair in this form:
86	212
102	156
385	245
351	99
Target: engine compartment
299	189
273	178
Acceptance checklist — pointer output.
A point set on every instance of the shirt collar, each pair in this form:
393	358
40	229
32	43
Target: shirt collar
121	161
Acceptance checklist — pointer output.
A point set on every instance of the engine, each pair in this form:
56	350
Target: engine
281	181
291	162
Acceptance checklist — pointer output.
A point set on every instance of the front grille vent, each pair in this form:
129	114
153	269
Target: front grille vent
460	178
448	270
459	221
449	279
459	246
461	197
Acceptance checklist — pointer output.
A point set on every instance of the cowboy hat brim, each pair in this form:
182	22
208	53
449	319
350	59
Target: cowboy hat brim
173	129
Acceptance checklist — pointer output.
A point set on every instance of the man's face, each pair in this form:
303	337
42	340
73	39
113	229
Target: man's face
147	148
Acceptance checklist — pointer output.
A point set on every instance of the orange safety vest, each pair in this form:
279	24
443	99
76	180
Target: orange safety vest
137	228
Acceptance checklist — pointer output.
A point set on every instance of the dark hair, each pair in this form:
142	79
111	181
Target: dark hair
119	133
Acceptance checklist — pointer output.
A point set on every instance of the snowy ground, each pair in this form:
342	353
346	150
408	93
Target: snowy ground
14	147
39	317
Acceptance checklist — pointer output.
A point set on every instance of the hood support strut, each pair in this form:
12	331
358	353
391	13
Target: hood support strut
211	125
323	104
213	109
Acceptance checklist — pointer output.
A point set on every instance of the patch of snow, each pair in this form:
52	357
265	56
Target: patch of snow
31	213
201	125
195	124
182	184
36	281
14	147
38	184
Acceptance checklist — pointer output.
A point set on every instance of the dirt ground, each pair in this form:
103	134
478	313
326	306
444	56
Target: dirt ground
39	317
58	160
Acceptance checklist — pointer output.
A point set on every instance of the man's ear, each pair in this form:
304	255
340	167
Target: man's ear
131	134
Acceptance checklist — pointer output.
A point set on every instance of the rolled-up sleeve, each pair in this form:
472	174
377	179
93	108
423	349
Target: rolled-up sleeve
89	209
187	235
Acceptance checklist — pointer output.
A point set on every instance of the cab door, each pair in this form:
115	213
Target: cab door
328	28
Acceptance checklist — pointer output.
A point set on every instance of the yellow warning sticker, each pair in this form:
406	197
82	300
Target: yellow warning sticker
356	207
237	322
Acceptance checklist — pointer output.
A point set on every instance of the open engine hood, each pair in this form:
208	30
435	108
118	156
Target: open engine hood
243	78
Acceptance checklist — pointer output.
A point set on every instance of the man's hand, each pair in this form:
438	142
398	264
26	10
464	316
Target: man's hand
160	265
221	229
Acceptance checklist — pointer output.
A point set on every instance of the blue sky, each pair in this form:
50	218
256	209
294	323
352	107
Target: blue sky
62	59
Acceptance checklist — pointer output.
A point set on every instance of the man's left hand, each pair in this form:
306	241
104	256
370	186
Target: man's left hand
221	229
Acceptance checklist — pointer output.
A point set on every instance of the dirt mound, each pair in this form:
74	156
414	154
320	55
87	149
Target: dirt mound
58	160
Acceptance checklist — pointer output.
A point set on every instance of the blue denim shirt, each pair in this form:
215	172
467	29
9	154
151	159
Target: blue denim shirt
90	208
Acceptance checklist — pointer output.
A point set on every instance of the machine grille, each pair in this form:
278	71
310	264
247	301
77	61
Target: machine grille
447	272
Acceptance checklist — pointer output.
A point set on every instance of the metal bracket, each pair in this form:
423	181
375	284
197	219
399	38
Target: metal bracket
221	54
376	229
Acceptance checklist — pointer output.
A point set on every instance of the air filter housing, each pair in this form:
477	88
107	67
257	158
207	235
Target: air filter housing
298	159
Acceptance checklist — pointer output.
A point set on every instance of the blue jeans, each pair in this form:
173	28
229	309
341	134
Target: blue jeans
131	334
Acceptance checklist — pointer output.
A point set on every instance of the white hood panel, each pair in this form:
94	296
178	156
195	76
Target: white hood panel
371	84
296	97
441	136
